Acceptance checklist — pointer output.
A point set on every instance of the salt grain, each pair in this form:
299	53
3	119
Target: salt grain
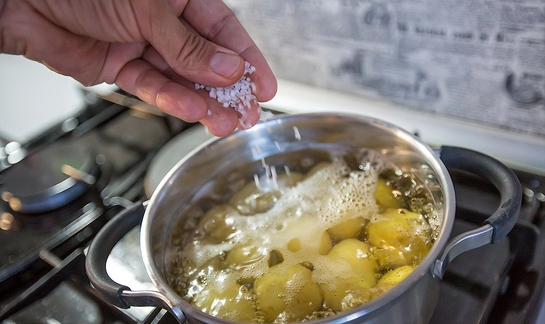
297	134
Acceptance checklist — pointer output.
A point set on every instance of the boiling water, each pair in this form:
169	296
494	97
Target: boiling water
327	220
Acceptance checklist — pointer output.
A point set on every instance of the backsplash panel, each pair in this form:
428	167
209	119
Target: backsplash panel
482	61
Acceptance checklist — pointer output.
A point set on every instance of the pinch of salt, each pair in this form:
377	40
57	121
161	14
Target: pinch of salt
239	95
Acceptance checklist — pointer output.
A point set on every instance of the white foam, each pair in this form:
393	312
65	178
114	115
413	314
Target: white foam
329	196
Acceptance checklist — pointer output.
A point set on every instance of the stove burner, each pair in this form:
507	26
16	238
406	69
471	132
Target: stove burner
50	178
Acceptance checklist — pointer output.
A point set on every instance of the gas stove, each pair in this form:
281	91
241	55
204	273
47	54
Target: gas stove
74	179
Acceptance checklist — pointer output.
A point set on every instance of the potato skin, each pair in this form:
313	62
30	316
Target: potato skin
234	303
386	195
350	228
350	286
399	238
215	223
243	256
252	200
287	292
390	279
393	277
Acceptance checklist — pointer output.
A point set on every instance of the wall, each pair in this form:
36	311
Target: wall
481	61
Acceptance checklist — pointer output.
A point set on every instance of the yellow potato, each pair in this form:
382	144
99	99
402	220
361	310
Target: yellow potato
243	256
216	225
235	303
351	271
360	258
287	293
199	276
344	293
400	238
350	228
294	245
325	244
393	277
251	200
387	196
390	279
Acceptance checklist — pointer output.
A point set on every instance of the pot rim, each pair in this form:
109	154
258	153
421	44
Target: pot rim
424	268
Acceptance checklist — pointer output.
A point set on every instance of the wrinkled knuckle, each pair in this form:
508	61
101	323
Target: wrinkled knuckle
220	25
144	92
191	52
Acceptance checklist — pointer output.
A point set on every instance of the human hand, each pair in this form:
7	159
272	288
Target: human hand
154	49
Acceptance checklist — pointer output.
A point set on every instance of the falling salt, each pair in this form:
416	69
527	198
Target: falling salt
277	145
266	115
255	152
297	134
287	169
274	177
257	183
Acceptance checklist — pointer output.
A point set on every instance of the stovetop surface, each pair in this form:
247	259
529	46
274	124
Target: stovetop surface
42	273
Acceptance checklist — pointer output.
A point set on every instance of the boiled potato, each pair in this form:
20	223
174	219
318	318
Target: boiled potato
350	228
326	244
235	303
351	271
287	293
359	257
390	279
252	200
345	292
200	276
243	256
393	277
386	195
294	245
399	238
216	225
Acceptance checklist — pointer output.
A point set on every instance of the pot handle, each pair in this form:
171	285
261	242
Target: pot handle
499	224
97	255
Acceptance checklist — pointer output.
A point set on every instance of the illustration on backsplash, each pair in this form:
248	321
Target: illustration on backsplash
526	89
404	83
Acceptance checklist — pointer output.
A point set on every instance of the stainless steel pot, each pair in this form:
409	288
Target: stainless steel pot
411	301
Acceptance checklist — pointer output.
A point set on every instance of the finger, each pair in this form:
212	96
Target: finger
247	116
216	22
219	120
143	80
189	54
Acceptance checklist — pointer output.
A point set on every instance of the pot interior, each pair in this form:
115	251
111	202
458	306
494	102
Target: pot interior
293	143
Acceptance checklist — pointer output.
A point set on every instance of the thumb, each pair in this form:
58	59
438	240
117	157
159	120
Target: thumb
191	55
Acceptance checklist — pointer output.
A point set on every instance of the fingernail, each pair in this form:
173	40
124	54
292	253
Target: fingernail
225	64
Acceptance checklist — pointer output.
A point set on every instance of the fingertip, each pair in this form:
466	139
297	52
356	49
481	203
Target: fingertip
250	118
228	65
220	123
267	89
